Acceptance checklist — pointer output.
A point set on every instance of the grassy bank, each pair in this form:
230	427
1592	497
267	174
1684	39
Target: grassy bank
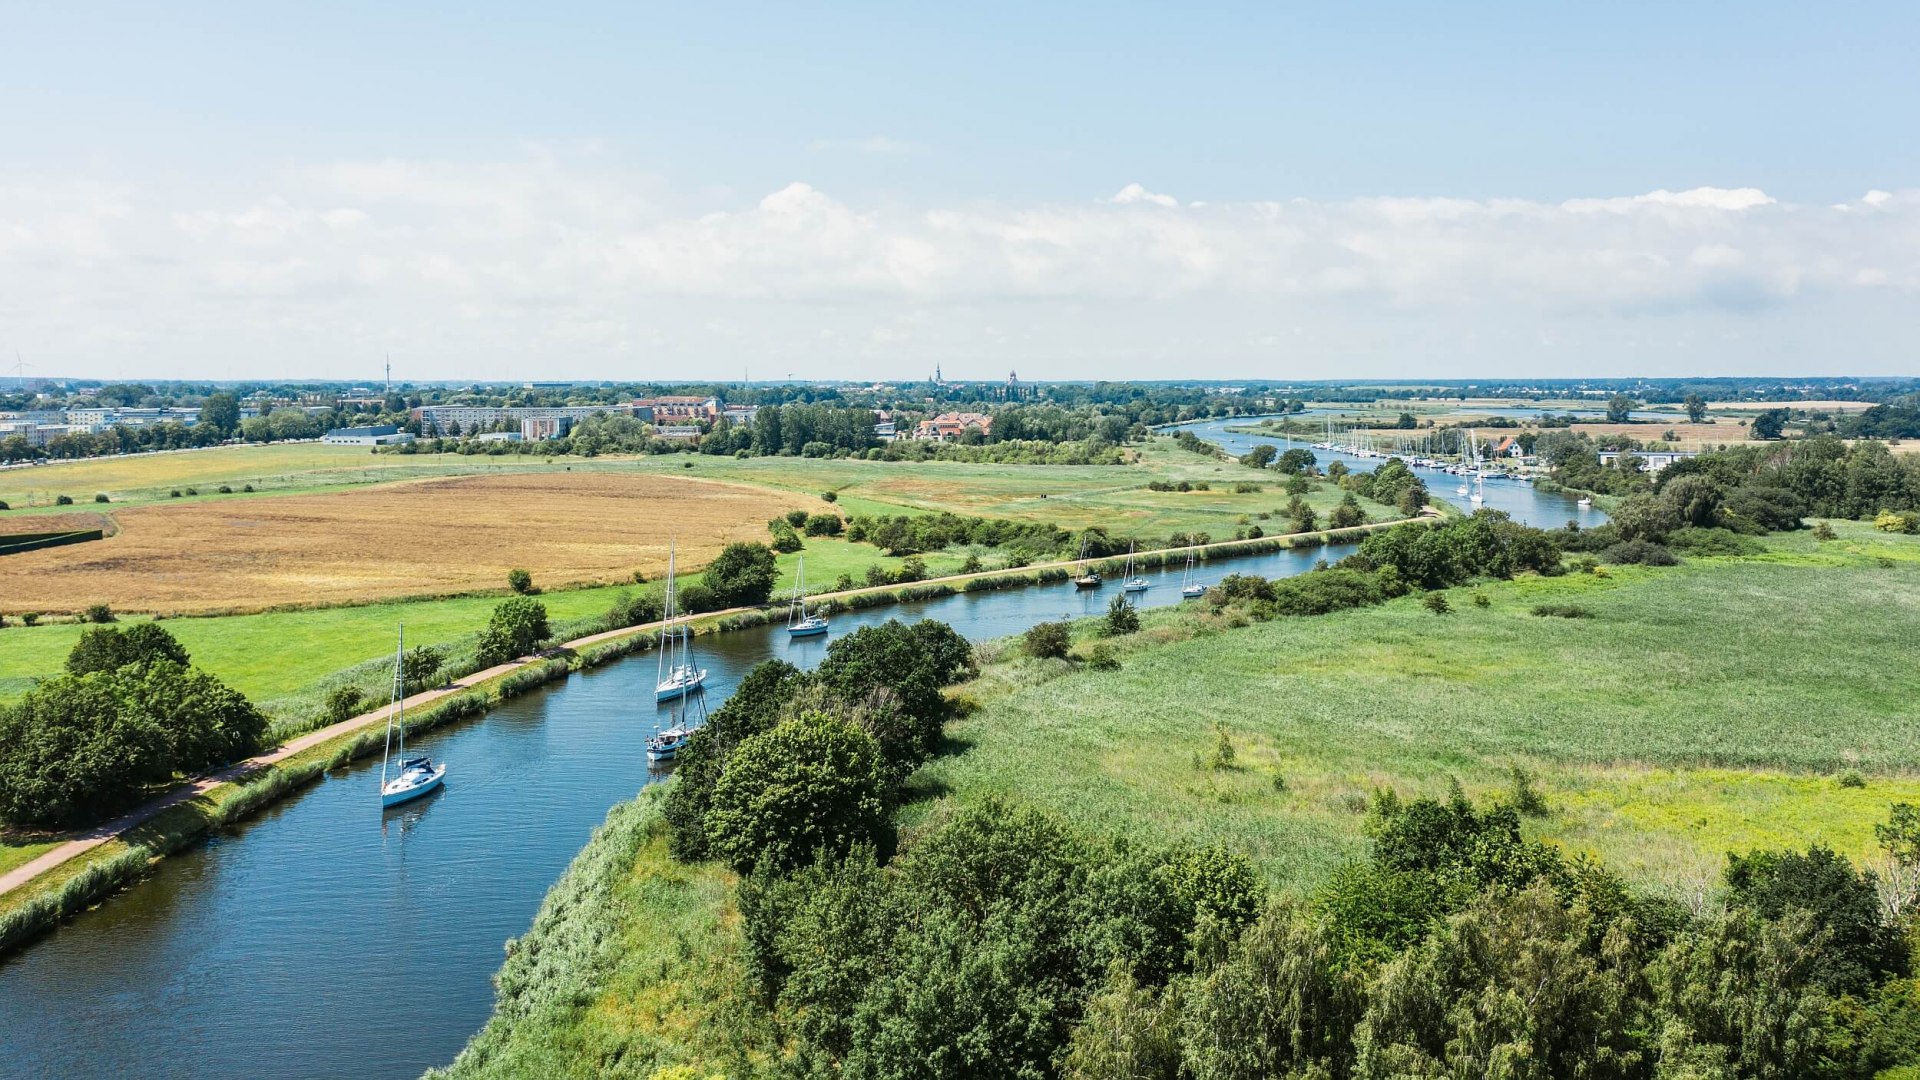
630	967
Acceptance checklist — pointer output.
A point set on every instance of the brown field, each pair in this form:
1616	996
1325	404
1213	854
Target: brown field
415	538
55	523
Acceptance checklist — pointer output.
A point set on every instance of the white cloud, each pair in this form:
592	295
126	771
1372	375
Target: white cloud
1134	193
508	263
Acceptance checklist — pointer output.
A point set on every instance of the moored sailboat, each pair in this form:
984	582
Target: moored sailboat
417	775
677	673
1190	589
1087	578
1133	582
800	622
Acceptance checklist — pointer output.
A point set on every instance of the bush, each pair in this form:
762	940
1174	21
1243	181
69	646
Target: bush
31	618
101	497
518	627
248	489
226	489
1562	611
521	581
98	613
174	494
824	525
1048	640
63	500
785	540
193	491
1639	553
796	518
743	574
1436	602
1526	797
1892	521
344	703
1102	657
810	786
633	610
830	496
1717	541
1122	617
1823	531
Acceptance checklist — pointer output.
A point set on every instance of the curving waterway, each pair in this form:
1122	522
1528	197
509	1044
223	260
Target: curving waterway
325	938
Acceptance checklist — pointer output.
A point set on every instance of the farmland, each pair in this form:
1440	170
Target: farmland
413	538
1704	708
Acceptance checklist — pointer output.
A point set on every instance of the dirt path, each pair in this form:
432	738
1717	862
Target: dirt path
100	834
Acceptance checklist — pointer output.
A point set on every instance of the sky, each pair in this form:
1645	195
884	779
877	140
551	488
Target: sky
1072	190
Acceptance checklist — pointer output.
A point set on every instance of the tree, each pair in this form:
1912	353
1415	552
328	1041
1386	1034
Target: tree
743	574
1122	618
1855	945
520	581
109	648
1619	409
221	413
71	749
752	709
1770	424
1413	498
811	785
1347	514
1295	460
1279	1006
1260	456
1048	640
914	661
1696	408
517	627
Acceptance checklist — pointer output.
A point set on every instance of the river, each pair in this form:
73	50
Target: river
325	938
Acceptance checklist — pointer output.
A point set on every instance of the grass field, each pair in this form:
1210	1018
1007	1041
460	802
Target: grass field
1705	708
441	535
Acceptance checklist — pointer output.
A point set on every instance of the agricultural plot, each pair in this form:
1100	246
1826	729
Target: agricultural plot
1720	705
417	538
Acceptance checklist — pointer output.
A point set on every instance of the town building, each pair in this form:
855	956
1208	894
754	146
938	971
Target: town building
440	419
950	426
682	407
1653	460
100	419
379	435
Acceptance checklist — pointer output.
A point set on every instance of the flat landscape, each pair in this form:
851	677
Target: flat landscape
1702	709
412	538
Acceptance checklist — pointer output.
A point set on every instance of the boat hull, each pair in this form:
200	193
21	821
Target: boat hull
678	690
395	798
806	631
1086	583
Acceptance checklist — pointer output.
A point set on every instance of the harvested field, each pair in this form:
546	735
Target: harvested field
413	538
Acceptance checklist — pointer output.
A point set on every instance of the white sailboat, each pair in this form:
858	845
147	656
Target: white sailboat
1465	457
1133	582
1479	477
801	623
1190	589
418	775
677	674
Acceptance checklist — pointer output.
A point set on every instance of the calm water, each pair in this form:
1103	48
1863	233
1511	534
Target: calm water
325	938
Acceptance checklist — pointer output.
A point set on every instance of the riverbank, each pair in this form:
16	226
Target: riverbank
90	867
1665	729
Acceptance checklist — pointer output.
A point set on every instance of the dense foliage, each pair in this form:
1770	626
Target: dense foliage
130	714
742	574
517	627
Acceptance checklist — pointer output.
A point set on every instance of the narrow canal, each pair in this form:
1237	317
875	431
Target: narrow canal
324	938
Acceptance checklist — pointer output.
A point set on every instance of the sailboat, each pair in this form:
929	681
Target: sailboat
1479	478
666	745
799	622
1190	589
677	674
1465	458
1132	582
417	775
1089	578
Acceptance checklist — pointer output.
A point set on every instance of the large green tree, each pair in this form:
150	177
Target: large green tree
107	648
221	413
742	574
810	786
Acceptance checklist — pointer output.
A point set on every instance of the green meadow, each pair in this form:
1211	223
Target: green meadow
1721	705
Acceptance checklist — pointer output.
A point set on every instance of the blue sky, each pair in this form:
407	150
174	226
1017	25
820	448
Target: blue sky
645	191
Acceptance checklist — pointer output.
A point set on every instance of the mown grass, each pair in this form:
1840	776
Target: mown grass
1704	708
631	966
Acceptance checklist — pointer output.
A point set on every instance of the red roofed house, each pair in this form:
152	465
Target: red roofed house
950	426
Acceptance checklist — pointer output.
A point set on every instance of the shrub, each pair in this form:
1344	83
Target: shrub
1562	611
31	618
785	540
1894	521
1244	488
796	518
63	500
1717	541
248	489
1048	640
1122	617
174	494
634	610
742	574
1102	657
824	525
1223	752
972	564
193	491
810	786
1823	531
1852	779
226	489
4	506
912	568
1639	553
110	648
98	613
1481	600
101	497
1526	797
521	581
343	703
517	627
830	496
1436	602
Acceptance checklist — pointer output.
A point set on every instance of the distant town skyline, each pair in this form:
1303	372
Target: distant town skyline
863	192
